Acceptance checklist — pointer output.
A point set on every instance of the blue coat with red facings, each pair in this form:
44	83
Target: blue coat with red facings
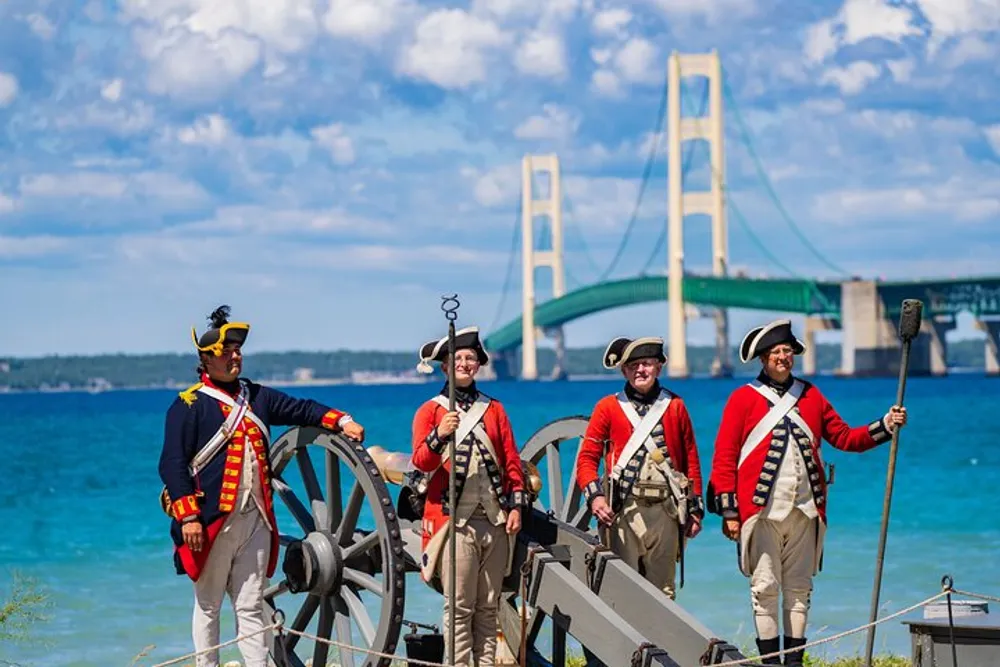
191	421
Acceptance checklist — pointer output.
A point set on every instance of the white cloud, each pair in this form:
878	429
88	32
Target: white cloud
993	136
366	20
547	13
40	25
638	61
499	185
332	139
260	220
450	49
197	49
970	48
857	21
554	123
7	204
605	82
951	18
901	70
711	10
820	42
851	79
541	54
612	22
76	184
286	26
8	89
185	64
166	188
212	129
112	90
958	199
25	247
121	121
601	203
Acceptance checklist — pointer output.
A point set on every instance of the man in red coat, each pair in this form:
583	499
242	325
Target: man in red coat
644	434
769	485
489	483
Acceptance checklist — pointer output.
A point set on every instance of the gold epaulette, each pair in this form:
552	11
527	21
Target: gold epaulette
188	395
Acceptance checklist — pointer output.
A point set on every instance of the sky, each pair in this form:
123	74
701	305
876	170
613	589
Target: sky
331	168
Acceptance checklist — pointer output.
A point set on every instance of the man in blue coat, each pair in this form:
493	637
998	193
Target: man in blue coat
216	471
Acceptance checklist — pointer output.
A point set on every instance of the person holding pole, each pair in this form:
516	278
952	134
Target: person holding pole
653	500
769	486
489	497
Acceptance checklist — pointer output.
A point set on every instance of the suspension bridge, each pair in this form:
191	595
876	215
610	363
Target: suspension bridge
865	310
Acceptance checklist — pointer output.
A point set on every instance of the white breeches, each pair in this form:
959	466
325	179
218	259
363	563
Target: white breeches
237	566
782	558
480	563
647	537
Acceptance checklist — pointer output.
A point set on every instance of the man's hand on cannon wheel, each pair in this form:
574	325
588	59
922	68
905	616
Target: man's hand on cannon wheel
354	431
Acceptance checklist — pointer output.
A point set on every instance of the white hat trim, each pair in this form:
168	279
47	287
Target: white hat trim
424	365
630	347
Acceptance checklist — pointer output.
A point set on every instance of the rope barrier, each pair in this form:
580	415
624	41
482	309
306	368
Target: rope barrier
980	596
732	663
840	635
267	628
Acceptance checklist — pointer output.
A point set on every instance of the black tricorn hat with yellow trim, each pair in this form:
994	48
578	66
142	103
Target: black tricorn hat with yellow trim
623	350
436	350
760	339
221	332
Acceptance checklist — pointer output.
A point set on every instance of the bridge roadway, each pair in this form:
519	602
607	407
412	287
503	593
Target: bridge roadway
979	296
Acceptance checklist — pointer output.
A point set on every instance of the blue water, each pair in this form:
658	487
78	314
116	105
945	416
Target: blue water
79	509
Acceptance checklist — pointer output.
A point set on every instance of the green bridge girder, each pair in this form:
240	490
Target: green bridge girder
979	296
782	295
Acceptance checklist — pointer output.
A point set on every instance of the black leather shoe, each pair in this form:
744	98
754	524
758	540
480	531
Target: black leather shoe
765	646
792	643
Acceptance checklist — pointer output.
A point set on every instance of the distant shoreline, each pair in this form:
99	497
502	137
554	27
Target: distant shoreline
431	379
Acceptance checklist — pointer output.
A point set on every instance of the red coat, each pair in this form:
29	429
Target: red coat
427	454
608	422
734	488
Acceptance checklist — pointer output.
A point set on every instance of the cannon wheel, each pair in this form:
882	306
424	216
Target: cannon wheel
330	565
548	445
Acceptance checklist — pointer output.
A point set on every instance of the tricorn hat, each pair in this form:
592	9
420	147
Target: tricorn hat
623	350
465	339
760	339
221	332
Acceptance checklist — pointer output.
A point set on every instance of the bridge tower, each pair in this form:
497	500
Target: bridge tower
531	258
708	202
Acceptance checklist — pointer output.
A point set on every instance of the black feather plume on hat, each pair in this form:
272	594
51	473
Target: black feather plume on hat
219	317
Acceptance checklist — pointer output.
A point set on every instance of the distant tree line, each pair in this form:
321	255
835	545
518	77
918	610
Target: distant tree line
169	370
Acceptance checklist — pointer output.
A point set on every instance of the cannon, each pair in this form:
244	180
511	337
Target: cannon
347	583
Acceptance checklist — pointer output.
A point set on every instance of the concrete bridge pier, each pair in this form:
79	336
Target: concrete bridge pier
935	346
992	329
503	365
559	371
869	344
813	324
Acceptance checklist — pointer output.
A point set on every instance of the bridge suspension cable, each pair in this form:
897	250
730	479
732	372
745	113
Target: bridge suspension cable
745	137
715	174
646	172
689	154
510	267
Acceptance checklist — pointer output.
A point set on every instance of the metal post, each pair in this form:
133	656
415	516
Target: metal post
451	312
909	328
